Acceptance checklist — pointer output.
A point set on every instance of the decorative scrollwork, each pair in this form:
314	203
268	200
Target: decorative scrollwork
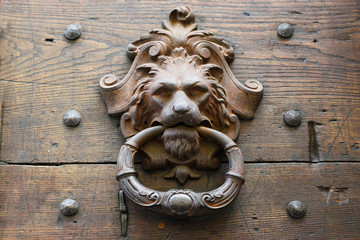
180	104
182	202
181	31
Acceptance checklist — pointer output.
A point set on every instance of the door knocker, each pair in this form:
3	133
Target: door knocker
181	98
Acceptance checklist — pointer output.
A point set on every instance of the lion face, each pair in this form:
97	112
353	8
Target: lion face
179	92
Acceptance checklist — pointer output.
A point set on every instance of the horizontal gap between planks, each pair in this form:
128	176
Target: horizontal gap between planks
49	84
2	163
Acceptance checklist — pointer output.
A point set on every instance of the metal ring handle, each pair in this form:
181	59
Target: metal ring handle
180	202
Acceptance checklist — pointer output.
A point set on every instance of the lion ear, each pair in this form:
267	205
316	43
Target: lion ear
146	69
214	71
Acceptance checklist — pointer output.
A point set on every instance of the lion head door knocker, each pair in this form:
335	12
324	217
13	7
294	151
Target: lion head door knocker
180	98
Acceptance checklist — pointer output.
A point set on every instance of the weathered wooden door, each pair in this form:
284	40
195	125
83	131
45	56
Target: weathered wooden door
43	161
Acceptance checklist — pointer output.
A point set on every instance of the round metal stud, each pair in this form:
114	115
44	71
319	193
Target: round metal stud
73	31
69	207
72	118
292	118
285	30
296	209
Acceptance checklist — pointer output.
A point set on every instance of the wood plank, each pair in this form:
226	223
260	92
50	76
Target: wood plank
30	198
34	132
110	26
44	77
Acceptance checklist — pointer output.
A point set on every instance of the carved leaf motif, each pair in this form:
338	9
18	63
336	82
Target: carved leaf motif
180	31
125	160
182	173
138	193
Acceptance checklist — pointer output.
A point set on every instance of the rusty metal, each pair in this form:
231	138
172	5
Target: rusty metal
73	31
180	104
285	30
296	209
69	207
175	199
292	118
72	118
123	214
109	79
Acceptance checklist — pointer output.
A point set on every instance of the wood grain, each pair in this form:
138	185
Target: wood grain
316	71
30	198
34	131
42	75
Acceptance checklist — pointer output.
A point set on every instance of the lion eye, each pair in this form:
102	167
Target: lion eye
197	91
163	92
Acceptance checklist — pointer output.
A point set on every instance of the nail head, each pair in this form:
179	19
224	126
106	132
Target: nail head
296	209
285	30
73	31
72	118
69	207
292	118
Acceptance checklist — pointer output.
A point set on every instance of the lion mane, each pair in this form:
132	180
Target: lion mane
142	113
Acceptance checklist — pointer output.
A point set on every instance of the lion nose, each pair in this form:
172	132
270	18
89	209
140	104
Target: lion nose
181	108
181	103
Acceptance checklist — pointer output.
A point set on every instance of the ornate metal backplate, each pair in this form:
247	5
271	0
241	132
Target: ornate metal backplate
180	104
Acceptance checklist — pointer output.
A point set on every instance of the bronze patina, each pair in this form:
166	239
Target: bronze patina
180	104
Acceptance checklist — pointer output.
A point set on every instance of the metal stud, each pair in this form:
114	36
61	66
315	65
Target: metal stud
285	30
292	118
296	209
73	31
72	118
69	207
